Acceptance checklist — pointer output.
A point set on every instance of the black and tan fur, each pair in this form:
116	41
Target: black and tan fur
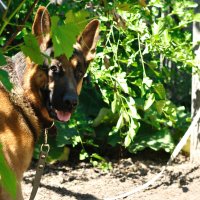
49	92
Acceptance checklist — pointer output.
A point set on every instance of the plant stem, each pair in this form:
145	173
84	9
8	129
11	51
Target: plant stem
19	28
144	72
13	47
6	11
6	21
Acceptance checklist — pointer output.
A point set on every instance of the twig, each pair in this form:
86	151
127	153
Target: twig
3	5
6	10
139	45
19	28
176	151
6	22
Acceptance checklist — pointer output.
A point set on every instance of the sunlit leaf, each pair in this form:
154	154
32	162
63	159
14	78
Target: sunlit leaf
143	3
196	17
31	49
121	80
147	81
119	122
160	105
132	107
166	37
190	4
154	140
160	90
116	104
105	115
78	18
149	101
83	155
63	37
98	157
127	141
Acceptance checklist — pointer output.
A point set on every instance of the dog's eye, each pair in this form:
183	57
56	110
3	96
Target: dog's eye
54	68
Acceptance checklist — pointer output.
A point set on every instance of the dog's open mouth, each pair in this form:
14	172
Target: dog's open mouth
63	116
59	115
57	111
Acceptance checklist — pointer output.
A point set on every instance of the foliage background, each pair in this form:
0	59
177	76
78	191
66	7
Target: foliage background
136	93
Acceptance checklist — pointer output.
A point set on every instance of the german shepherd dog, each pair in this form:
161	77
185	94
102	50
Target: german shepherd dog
49	92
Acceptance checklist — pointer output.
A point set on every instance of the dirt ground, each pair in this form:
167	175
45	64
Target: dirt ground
80	181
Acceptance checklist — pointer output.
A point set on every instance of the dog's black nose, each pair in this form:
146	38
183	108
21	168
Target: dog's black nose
71	100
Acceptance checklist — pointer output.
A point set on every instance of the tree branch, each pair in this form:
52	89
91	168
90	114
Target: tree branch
6	11
19	28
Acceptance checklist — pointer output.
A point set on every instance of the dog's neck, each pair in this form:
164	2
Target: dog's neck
16	72
32	114
44	123
23	105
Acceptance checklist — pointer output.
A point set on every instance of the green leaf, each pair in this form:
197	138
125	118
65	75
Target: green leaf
4	78
190	4
32	50
154	140
170	111
132	107
155	29
127	141
133	127
140	85
2	59
196	17
121	80
65	134
160	90
77	18
7	176
124	6
160	106
63	37
116	104
166	37
114	138
119	122
147	81
131	133
83	155
105	115
91	100
156	3
98	157
149	101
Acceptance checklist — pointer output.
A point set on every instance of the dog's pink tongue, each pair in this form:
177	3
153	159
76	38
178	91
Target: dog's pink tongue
63	116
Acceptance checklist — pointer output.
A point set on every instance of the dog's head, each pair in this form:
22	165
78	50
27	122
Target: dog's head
53	88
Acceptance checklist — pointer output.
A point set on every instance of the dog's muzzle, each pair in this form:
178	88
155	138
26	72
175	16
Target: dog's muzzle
63	109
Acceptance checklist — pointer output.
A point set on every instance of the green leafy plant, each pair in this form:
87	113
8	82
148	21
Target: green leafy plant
131	73
7	177
136	94
129	101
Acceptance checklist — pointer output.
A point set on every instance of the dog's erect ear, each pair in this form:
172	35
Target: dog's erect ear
88	39
42	26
